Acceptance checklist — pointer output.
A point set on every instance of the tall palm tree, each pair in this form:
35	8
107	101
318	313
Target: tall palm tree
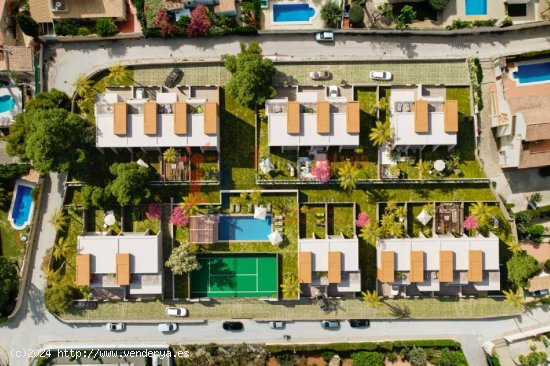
51	275
83	86
347	176
170	155
190	204
63	249
380	134
370	233
382	104
119	75
290	286
59	220
483	213
514	298
372	299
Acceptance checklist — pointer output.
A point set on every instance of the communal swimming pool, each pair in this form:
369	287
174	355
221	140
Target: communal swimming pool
243	228
292	12
533	72
6	103
476	7
20	214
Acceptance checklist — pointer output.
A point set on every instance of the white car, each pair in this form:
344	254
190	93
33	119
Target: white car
168	327
324	37
176	311
333	91
277	325
113	327
381	75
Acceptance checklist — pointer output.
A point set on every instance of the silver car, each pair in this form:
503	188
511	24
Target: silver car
114	327
168	327
324	37
276	324
176	311
319	75
330	324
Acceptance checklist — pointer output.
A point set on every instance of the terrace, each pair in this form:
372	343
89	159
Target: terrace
189	165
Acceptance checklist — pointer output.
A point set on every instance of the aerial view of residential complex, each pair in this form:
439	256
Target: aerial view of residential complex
275	182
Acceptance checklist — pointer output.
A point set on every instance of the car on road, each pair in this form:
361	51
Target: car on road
319	75
359	323
333	91
322	301
168	327
381	75
324	37
276	324
114	327
176	311
173	77
232	326
330	324
539	293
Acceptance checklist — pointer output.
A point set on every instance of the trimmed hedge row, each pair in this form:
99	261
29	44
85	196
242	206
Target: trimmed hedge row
365	346
539	211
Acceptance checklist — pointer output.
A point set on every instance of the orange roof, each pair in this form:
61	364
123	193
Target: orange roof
211	118
150	118
475	261
420	116
305	267
334	267
293	117
451	116
180	118
387	271
83	269
42	13
417	266
119	117
323	117
123	269
446	266
352	117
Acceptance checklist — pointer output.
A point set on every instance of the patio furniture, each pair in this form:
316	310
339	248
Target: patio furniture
250	207
278	223
232	208
399	106
320	215
321	225
280	229
279	217
269	207
237	208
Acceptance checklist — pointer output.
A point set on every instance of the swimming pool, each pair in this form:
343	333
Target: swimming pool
292	12
533	73
20	214
243	228
476	7
6	103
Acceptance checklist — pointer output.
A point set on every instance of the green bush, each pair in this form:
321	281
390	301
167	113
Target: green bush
105	27
84	31
386	346
327	356
418	357
59	298
485	22
429	343
522	267
331	13
285	359
535	233
67	27
460	24
27	24
392	357
367	359
438	4
356	15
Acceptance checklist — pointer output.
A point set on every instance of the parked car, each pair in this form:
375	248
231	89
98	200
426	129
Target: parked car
114	327
173	77
333	91
359	323
324	37
319	75
277	325
231	326
168	327
381	75
330	324
176	311
539	293
322	301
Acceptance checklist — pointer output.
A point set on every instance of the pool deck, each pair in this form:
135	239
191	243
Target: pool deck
457	9
6	118
315	22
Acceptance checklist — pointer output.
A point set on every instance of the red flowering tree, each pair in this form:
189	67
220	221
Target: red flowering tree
163	23
321	171
199	24
153	211
471	223
178	217
362	219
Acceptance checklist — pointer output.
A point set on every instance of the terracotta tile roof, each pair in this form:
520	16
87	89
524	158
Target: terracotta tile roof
150	118
120	111
538	131
334	267
293	118
352	117
225	7
475	266
387	271
211	118
41	12
17	58
123	269
305	267
323	117
417	266
421	116
533	159
451	116
446	266
180	118
542	146
83	269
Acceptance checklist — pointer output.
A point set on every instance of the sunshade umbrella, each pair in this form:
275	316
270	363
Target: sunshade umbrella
266	166
260	212
109	219
275	238
439	165
424	217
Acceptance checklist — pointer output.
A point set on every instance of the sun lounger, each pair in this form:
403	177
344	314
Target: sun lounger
320	214
250	207
268	209
399	106
278	223
232	208
237	208
280	229
279	217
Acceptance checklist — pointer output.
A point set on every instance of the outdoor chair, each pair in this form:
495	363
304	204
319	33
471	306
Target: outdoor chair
268	209
279	217
280	229
278	223
399	106
237	208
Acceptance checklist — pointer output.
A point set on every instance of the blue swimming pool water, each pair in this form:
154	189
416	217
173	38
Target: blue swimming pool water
21	206
6	103
292	12
476	7
243	228
533	72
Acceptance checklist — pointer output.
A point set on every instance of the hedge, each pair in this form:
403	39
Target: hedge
241	31
539	211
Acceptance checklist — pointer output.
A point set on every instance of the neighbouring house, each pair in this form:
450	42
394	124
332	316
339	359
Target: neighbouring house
520	114
125	265
221	7
151	118
441	265
420	117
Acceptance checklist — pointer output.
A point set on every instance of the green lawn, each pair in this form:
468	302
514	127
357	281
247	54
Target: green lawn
312	221
280	159
367	99
12	247
462	94
341	220
415	226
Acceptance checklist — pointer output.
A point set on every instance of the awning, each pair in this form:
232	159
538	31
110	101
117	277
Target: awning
334	267
293	118
323	117
475	270
275	238
260	212
305	267
446	266
123	269
424	217
266	166
83	269
421	116
417	266
387	271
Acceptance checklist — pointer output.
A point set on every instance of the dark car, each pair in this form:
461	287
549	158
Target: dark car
173	77
232	326
322	301
359	323
539	293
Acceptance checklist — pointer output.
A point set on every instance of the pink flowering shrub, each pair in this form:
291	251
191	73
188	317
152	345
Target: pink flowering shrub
321	171
199	24
471	223
362	219
153	211
178	217
162	22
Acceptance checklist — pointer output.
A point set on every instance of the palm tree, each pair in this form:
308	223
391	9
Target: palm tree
255	196
119	75
423	168
380	134
370	233
348	175
59	220
290	286
372	299
63	249
83	86
170	155
51	275
514	246
514	298
382	104
190	204
483	213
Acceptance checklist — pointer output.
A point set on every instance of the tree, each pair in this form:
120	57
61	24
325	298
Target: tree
52	99
27	24
178	217
9	284
535	233
408	14
367	358
331	13
130	185
370	233
290	287
105	27
321	171
163	23
514	246
348	175
521	268
418	357
438	4
484	214
59	220
83	86
423	167
199	23
59	298
170	155
182	260
190	204
251	75
119	75
63	249
94	196
514	298
372	299
356	15
381	133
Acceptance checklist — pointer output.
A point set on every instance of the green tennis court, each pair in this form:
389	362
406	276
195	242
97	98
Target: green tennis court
235	275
